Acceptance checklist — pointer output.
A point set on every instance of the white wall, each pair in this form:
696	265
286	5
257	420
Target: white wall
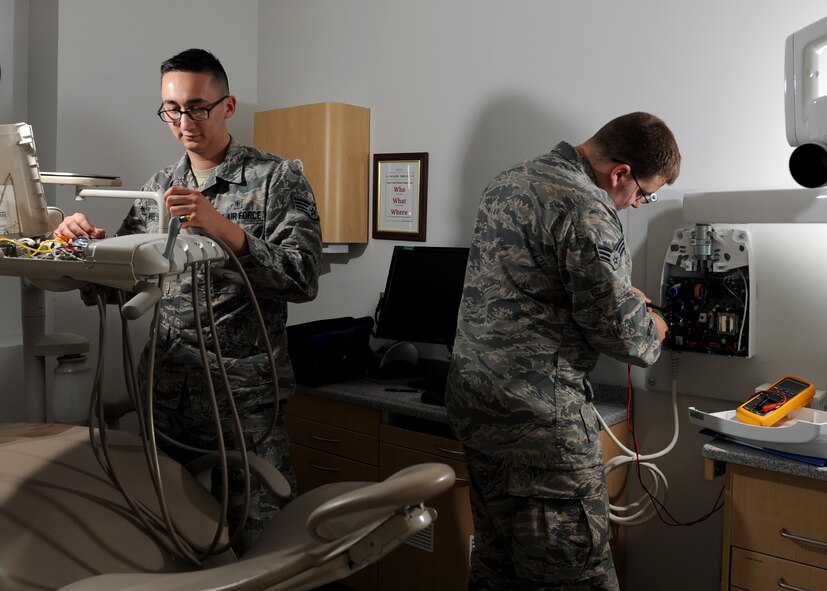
479	84
13	97
10	82
13	59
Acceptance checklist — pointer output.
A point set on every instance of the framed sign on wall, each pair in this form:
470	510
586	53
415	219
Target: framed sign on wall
400	188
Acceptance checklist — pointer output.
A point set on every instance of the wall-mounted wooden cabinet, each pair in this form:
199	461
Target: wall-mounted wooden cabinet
333	142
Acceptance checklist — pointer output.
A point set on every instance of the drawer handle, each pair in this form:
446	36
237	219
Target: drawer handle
324	468
449	451
785	534
324	439
462	480
785	585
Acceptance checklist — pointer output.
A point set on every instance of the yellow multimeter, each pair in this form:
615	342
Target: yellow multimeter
771	405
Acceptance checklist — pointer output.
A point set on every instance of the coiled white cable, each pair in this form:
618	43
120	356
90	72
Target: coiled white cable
643	507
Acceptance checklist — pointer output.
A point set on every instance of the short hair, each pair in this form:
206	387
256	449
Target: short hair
200	61
644	142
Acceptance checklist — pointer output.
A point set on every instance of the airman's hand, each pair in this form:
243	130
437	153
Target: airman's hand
77	225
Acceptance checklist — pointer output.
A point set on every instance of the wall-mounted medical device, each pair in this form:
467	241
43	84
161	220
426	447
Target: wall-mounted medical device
707	290
785	233
805	102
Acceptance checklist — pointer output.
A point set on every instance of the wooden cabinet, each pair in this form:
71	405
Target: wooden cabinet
334	441
331	441
333	142
775	531
438	558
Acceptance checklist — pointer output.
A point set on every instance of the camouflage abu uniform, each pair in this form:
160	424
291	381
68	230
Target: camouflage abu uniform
547	290
269	197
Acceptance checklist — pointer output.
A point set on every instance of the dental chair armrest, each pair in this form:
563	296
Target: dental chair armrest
270	477
410	486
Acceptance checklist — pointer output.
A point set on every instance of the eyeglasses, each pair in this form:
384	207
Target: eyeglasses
647	197
194	113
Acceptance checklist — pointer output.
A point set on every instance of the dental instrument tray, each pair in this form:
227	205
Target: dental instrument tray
770	405
803	431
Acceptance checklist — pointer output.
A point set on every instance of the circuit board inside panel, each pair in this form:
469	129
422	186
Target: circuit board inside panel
708	313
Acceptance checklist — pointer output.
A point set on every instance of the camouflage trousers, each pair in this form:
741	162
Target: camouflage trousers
183	412
537	529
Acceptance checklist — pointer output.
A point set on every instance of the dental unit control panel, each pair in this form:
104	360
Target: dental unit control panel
130	263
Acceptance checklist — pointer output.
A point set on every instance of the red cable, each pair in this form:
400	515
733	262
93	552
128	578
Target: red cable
655	502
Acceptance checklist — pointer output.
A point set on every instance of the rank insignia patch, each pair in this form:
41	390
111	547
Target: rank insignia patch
305	205
611	255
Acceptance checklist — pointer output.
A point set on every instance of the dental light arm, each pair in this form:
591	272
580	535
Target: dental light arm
82	182
805	102
163	214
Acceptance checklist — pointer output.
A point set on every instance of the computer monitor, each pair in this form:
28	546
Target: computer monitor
422	294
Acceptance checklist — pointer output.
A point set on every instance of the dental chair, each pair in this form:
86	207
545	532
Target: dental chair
63	525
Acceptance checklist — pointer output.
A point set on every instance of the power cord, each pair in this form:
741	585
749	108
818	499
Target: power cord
647	505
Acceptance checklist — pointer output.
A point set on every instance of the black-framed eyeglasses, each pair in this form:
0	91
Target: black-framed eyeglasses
194	113
647	197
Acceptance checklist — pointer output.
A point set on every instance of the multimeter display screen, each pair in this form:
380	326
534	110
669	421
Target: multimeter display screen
790	387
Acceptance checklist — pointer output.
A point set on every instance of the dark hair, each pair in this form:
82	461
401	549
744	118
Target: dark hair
200	61
644	142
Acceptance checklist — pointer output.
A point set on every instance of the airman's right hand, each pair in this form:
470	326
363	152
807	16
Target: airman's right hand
76	225
660	324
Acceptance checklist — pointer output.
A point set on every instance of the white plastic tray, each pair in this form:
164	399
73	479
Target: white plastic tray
803	431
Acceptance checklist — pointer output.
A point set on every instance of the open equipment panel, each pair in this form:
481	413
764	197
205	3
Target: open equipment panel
707	298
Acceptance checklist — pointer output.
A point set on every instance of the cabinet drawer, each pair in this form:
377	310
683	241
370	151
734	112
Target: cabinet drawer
333	412
314	468
444	447
349	444
767	507
759	572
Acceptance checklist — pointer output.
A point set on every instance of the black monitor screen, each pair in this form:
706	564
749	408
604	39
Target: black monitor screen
422	294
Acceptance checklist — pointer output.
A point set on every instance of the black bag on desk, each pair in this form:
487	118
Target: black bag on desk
333	350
